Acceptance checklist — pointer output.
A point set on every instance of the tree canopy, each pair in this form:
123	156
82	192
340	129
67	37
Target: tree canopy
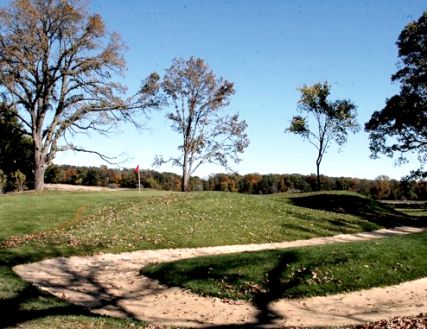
197	100
332	120
401	126
57	70
16	151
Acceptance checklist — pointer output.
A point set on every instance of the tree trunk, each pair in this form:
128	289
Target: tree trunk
39	168
318	174
39	171
319	160
185	174
184	182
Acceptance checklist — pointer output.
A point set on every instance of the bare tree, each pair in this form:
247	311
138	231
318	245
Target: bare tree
197	97
57	65
332	120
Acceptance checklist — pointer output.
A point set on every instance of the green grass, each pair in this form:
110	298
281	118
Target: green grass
81	322
302	272
38	226
30	212
23	216
414	212
207	219
411	208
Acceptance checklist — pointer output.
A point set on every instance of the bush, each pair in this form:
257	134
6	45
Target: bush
16	181
150	182
3	181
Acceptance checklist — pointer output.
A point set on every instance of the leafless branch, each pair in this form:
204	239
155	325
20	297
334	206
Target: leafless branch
108	159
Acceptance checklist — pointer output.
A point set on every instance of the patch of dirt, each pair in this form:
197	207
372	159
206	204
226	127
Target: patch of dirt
82	188
110	284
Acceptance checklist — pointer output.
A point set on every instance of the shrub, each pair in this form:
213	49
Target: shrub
3	180
16	181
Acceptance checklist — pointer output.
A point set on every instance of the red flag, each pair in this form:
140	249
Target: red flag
137	168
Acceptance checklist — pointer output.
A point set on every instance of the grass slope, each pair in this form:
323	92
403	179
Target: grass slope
302	272
167	220
37	226
24	213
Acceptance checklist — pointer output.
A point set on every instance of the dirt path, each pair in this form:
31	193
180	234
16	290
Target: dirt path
79	188
110	284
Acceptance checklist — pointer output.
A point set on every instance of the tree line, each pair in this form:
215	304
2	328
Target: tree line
382	187
58	66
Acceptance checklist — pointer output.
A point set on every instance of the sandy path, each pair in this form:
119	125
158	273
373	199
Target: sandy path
110	284
79	188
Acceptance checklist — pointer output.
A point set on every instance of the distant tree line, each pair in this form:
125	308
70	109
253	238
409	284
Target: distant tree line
382	187
115	178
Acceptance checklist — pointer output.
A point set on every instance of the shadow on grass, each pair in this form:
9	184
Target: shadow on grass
358	206
419	205
261	299
14	310
282	279
26	302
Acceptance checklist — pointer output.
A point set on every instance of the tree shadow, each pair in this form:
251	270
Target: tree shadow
278	283
419	205
275	289
262	299
365	208
27	302
14	312
13	308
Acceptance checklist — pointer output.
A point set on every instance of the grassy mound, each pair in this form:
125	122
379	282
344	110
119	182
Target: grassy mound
164	220
353	204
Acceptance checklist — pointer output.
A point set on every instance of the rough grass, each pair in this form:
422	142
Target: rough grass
37	226
302	272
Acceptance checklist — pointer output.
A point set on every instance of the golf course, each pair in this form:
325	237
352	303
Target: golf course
39	226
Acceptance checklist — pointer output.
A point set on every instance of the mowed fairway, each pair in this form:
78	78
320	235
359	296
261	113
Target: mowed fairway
38	226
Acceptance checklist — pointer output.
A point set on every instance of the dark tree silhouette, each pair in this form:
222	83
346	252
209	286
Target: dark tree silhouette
401	126
16	151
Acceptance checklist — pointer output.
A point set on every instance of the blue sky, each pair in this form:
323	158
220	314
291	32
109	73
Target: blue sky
268	49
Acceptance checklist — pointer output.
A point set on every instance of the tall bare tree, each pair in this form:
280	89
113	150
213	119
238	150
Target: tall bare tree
197	99
332	120
57	65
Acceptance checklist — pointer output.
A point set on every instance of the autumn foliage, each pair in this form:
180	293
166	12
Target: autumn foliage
382	187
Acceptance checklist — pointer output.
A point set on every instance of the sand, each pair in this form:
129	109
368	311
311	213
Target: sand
110	284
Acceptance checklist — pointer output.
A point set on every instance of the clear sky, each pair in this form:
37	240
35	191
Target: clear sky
268	48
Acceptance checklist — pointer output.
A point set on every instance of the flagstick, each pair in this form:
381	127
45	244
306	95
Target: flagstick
139	181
